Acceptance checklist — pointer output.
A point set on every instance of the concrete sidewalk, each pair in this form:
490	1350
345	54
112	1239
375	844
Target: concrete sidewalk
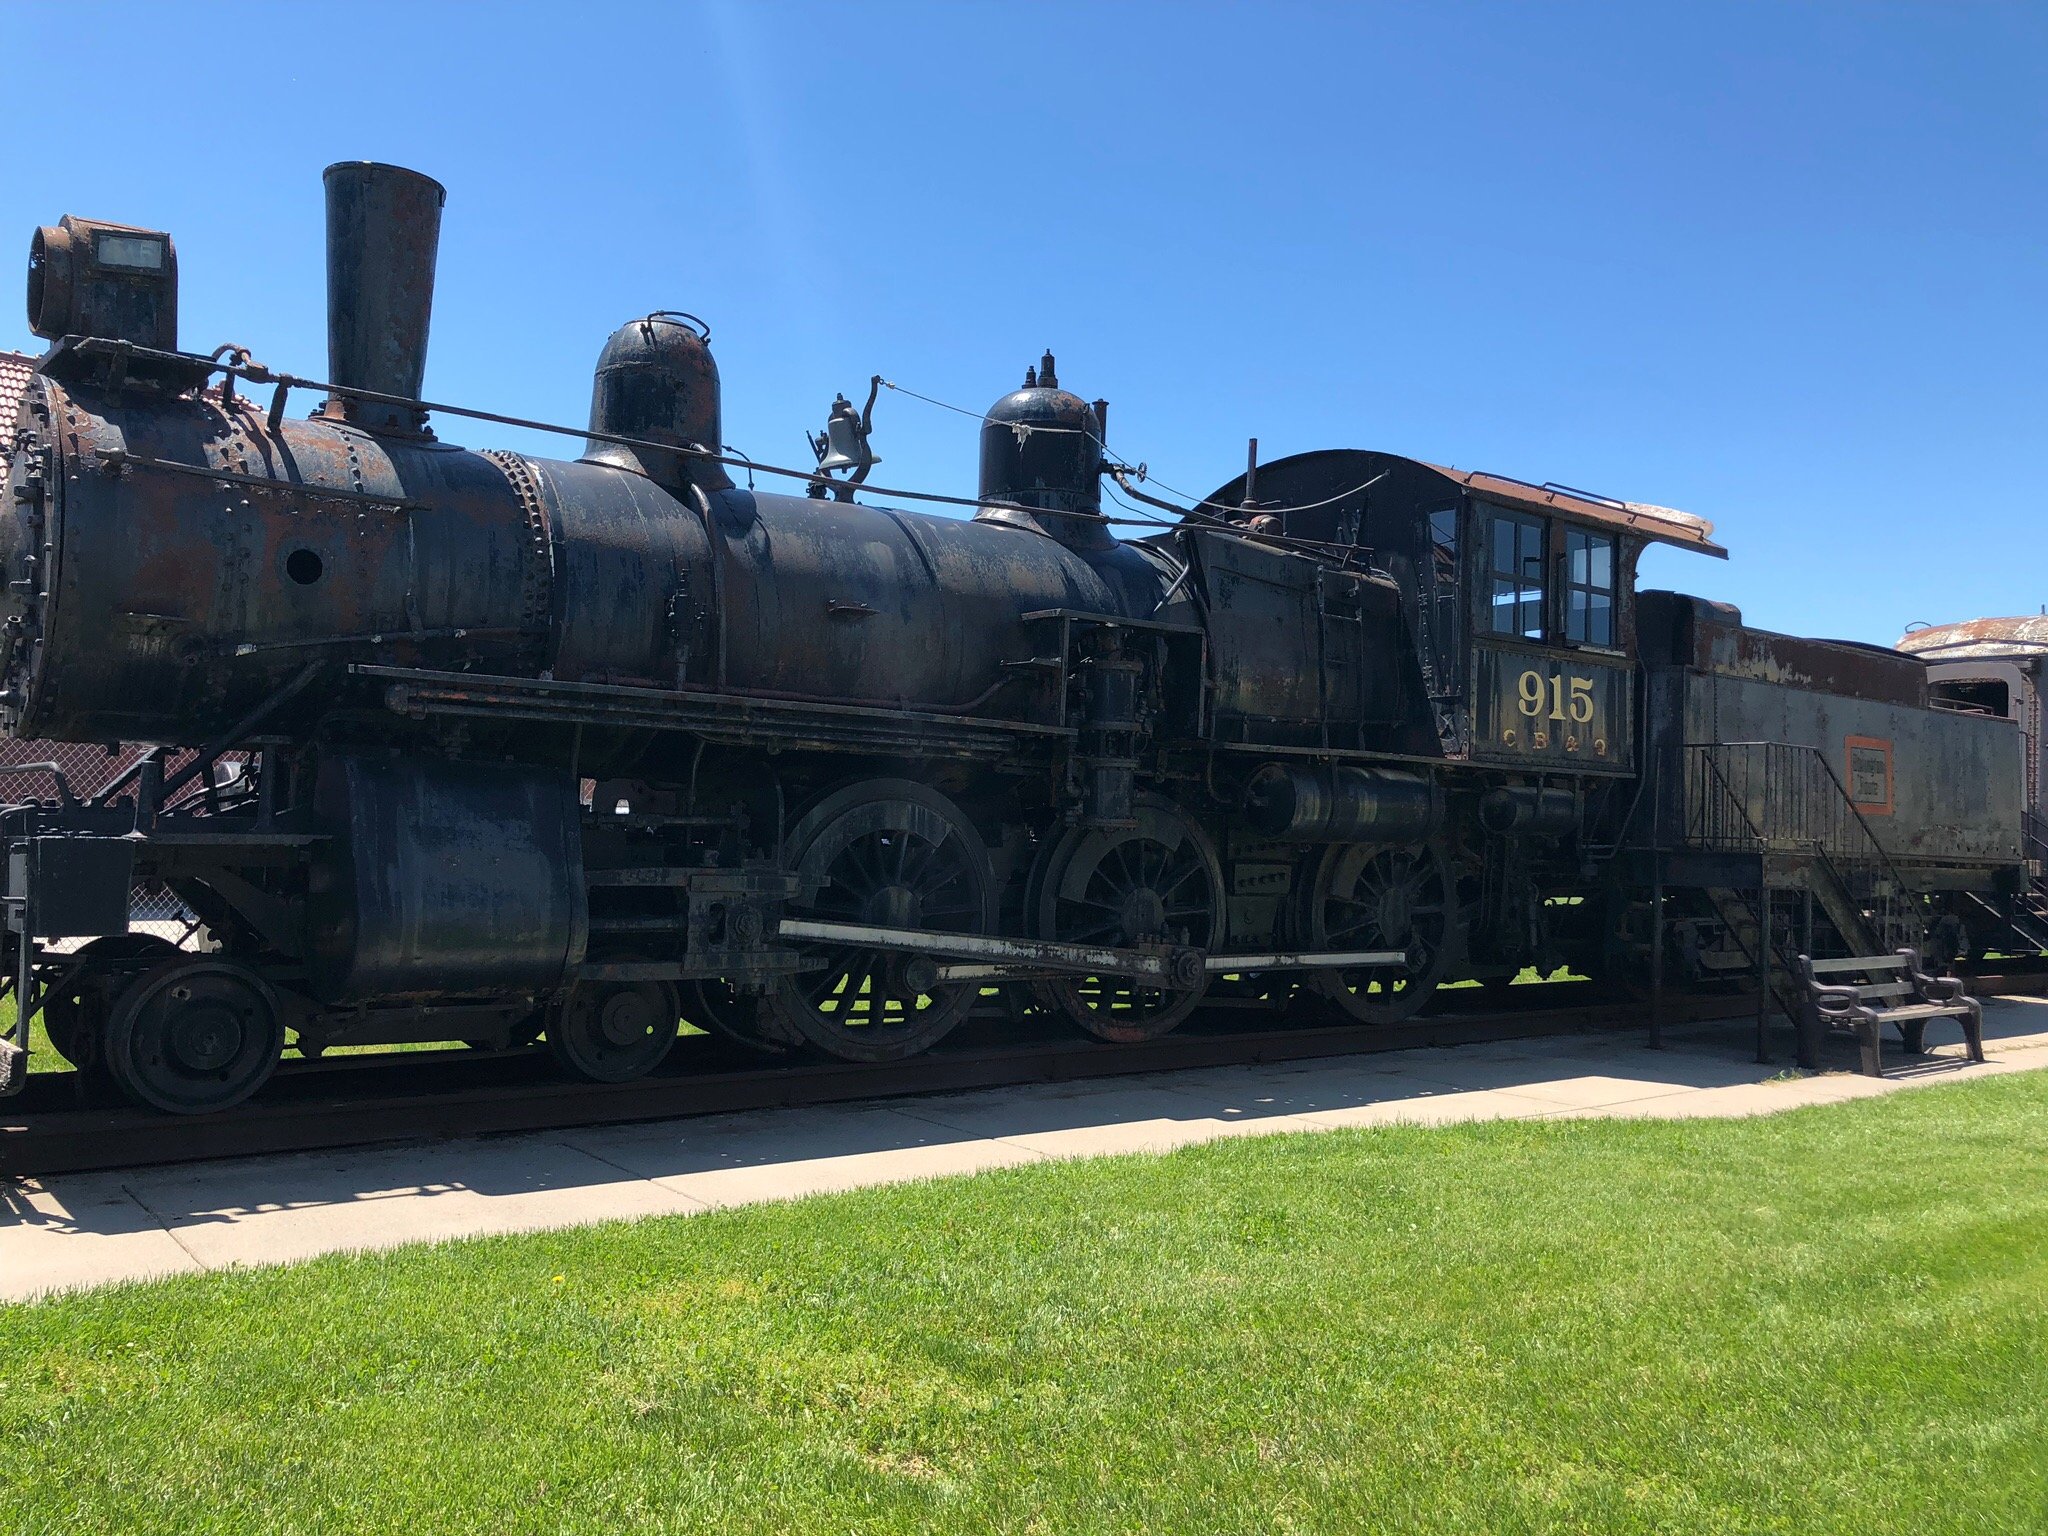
90	1229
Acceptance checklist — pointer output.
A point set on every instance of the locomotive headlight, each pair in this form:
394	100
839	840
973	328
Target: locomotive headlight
87	278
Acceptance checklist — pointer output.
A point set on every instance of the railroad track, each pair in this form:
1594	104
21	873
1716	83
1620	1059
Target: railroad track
424	1096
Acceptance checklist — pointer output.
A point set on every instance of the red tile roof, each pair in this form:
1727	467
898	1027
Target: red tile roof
15	368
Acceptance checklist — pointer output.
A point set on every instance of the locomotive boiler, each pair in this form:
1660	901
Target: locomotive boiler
203	551
482	746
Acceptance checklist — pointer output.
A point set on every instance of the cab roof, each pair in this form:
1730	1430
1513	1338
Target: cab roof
1665	525
1327	477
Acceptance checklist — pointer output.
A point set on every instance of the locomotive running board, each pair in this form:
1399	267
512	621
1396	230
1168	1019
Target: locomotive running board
737	719
954	957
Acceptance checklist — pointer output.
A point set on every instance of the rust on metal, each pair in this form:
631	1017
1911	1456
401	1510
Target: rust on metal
2025	635
1664	525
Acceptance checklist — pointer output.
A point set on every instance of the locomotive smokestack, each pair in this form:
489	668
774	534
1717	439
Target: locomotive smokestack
383	230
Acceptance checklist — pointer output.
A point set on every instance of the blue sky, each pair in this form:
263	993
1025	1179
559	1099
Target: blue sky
1781	266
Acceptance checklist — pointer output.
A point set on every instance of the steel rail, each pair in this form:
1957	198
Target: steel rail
416	1097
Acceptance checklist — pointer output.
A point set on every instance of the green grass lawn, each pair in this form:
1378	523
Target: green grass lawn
1830	1320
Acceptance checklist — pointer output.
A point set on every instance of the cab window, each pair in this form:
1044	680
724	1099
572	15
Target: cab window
1515	560
1588	588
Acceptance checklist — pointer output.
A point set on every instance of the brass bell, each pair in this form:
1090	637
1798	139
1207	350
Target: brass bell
845	444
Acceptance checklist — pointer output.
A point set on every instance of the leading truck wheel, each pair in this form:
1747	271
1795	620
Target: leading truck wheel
1393	898
887	853
75	1014
193	1036
614	1031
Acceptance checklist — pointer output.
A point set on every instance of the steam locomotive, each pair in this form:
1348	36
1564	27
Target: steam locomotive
474	745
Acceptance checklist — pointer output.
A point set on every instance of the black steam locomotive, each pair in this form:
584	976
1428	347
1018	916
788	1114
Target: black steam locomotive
480	746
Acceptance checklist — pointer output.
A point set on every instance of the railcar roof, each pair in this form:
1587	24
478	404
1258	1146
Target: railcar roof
1980	639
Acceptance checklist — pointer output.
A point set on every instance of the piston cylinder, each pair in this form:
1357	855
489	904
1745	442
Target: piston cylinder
1319	804
442	878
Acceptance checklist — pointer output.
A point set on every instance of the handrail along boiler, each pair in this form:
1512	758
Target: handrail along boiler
1357	724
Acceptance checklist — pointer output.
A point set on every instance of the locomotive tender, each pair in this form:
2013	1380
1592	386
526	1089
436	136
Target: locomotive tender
1357	723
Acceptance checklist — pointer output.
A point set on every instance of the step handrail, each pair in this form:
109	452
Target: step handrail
1728	798
1802	804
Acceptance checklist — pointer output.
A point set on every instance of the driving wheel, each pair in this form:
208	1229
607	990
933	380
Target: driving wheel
1157	882
743	1018
1388	898
887	853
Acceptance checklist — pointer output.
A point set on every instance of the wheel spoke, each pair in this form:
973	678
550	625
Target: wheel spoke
1091	933
1413	887
1170	868
865	876
933	877
925	850
821	983
917	861
860	986
837	901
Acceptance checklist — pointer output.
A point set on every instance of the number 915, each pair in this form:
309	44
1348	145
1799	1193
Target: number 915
1565	698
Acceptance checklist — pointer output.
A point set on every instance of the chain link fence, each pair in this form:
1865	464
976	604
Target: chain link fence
152	906
88	769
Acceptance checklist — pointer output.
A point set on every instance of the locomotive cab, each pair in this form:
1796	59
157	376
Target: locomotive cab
1517	600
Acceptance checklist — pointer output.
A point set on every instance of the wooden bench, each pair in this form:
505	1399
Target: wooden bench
1862	992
